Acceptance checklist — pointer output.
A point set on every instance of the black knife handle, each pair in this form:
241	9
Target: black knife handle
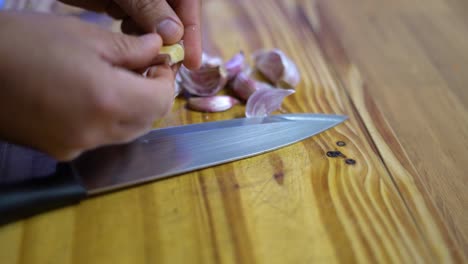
43	183
27	198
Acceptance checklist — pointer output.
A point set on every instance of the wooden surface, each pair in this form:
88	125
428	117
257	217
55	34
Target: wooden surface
396	68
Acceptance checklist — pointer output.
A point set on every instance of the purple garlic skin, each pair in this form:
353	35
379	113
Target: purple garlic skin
177	85
244	86
217	103
265	100
235	65
206	81
277	68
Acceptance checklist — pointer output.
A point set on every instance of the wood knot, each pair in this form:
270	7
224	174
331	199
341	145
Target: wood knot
334	154
340	143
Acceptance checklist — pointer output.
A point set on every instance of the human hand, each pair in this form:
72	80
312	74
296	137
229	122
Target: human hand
173	20
67	86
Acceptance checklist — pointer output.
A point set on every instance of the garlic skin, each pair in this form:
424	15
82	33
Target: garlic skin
177	85
265	100
277	68
235	65
263	88
210	104
211	61
243	85
206	81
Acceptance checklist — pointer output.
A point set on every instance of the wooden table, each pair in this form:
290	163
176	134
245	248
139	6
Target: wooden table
397	68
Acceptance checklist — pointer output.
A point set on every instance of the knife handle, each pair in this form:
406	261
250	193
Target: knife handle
27	198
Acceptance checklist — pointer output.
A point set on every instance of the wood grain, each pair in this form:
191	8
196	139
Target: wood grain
293	205
404	78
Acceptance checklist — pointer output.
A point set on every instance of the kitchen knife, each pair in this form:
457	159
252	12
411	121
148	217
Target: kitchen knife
31	182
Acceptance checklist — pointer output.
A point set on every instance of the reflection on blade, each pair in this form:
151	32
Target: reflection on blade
170	151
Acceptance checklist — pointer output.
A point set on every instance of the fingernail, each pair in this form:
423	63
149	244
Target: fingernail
168	28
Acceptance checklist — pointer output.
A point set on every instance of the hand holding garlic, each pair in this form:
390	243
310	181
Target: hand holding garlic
68	86
172	20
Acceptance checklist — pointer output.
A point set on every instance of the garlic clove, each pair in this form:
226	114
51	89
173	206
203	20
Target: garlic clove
243	85
235	65
170	55
206	81
217	103
277	67
265	100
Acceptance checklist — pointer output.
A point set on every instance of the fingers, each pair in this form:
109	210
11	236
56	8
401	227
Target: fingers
108	6
173	20
155	16
129	26
98	6
131	52
134	102
189	12
124	109
115	11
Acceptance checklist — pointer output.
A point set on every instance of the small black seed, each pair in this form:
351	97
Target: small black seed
333	154
341	143
350	161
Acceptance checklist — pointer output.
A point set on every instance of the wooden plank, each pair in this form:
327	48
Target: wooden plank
402	70
294	205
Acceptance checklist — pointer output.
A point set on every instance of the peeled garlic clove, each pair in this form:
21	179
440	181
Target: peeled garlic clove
217	103
206	81
265	100
244	86
170	55
277	67
235	65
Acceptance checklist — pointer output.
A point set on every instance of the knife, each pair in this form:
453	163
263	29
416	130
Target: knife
32	183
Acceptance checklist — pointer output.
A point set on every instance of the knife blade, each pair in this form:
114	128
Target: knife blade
32	183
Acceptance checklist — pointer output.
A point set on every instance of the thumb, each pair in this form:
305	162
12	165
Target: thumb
131	52
153	16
